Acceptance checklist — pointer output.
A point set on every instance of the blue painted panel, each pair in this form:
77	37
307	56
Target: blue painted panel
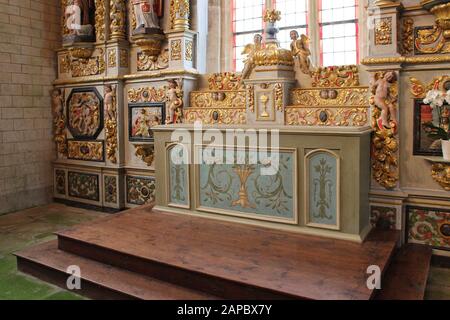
245	189
178	178
323	188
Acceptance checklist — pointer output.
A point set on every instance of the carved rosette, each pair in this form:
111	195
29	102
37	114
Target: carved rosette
385	145
179	14
117	19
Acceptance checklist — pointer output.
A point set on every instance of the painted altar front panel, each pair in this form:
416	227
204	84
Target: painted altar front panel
178	176
247	188
322	185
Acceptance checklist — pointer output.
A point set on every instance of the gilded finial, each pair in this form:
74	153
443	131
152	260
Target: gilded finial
272	16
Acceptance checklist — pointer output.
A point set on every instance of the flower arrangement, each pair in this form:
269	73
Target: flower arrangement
439	101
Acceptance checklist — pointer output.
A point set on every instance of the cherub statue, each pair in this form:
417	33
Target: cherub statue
146	14
383	98
300	50
110	103
174	98
250	50
57	103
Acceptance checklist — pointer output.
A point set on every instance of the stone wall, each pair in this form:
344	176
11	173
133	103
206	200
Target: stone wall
29	35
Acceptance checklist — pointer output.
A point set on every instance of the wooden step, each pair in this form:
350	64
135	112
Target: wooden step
406	278
98	280
229	260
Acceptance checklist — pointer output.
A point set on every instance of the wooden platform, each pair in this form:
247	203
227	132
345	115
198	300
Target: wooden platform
146	254
408	274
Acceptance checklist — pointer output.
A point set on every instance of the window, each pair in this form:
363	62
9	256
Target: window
247	20
332	26
338	32
294	17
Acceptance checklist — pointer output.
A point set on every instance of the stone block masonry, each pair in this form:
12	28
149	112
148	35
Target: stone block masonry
29	36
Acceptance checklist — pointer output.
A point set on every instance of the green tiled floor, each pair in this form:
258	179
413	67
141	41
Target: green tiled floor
26	228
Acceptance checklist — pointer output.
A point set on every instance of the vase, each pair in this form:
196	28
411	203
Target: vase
446	149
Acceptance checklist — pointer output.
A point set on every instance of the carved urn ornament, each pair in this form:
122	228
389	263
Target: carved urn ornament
272	54
441	9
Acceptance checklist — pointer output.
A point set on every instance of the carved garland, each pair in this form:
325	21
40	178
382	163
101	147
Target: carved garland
385	144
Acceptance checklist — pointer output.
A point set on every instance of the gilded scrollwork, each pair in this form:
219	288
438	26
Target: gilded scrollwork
85	150
59	121
111	124
123	58
441	174
215	116
179	14
100	20
279	96
338	117
251	97
218	100
383	31
117	19
336	97
112	58
147	63
419	90
189	50
146	153
147	94
407	44
175	50
64	63
225	81
385	144
88	67
342	76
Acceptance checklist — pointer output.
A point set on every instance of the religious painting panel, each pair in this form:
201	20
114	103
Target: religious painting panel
85	113
430	126
142	118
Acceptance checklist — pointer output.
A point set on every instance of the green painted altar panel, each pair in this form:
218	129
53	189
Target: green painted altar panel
246	189
323	188
178	177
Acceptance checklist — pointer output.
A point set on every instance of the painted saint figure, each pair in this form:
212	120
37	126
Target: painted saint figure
381	88
250	50
79	17
300	50
147	13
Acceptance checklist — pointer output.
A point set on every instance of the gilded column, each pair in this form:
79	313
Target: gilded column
179	15
118	19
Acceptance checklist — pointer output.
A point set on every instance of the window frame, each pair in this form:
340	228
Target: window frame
313	29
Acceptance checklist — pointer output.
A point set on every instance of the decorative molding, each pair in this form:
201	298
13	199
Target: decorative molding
383	31
86	150
339	77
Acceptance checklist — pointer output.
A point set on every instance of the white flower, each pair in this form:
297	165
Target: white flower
447	98
435	98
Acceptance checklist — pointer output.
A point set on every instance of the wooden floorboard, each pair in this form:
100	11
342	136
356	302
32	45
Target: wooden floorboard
99	281
289	263
406	278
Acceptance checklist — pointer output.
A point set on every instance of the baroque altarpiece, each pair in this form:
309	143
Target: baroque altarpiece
128	77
